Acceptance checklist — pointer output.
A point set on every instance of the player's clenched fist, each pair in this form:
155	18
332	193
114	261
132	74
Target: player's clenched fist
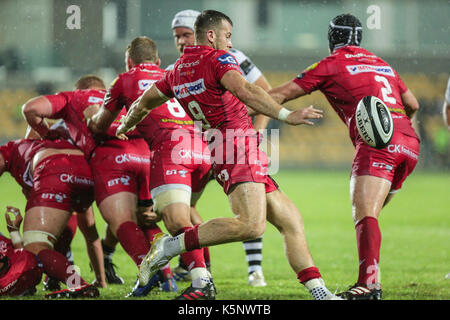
301	116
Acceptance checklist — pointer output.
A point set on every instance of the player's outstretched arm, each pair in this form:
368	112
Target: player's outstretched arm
35	111
259	100
139	109
261	120
286	92
86	223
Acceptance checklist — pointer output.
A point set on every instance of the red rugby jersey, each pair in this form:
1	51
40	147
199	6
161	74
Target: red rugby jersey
160	122
195	82
69	106
350	74
20	262
19	153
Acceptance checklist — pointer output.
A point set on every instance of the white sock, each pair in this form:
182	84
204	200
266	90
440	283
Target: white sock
200	277
318	289
174	246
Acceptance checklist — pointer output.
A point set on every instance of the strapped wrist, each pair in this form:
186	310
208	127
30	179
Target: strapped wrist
283	114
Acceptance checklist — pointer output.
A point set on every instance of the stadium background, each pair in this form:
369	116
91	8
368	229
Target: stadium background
39	54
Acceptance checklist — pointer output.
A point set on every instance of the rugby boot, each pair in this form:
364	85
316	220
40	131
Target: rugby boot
361	292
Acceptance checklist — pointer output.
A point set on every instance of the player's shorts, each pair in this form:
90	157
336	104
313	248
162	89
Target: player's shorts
178	164
24	274
62	182
242	162
394	163
121	166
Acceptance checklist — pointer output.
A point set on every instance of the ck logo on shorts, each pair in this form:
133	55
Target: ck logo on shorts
54	196
124	180
68	178
398	148
382	165
122	158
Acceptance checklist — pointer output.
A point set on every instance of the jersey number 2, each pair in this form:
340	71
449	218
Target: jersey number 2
386	90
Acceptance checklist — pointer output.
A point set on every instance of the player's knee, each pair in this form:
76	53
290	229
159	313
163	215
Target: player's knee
253	231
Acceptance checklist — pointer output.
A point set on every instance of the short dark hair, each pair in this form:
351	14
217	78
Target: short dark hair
89	81
209	19
344	29
143	49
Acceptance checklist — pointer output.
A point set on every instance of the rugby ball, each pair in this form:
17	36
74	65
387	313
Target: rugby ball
374	122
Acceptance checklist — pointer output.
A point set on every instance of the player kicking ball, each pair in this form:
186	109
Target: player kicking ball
211	89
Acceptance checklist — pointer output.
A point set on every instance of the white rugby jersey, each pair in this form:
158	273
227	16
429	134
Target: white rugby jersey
249	70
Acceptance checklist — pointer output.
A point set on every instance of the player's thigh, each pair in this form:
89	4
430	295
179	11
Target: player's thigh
43	226
46	219
282	212
248	203
368	195
118	208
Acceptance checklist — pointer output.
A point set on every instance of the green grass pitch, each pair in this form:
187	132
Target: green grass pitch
415	226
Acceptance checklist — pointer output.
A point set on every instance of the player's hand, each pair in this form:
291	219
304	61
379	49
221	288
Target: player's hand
13	225
148	217
120	132
301	116
99	284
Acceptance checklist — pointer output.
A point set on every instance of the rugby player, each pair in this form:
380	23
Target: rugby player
120	168
211	89
56	180
20	271
173	180
345	77
183	34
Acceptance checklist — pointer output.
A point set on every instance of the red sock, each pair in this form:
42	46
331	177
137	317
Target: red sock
207	257
58	267
191	238
66	237
151	231
167	272
192	258
133	241
308	274
368	239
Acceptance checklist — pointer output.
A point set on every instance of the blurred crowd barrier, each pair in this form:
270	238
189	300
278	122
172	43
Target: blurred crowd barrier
324	145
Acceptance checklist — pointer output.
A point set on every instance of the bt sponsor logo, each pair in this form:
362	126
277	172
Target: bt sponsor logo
58	197
124	180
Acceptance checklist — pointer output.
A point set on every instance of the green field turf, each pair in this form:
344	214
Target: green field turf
415	253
